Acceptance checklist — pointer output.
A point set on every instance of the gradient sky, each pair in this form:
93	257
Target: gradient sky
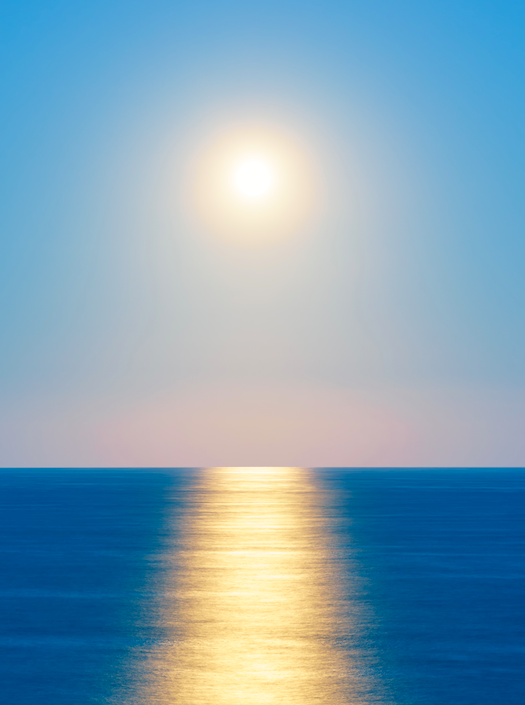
388	331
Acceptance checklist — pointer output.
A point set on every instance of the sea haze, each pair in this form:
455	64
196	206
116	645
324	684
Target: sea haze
291	586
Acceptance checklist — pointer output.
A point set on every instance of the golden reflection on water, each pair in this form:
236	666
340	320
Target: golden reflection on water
255	614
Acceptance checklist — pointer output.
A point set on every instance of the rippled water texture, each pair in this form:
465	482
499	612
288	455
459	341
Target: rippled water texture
278	586
256	608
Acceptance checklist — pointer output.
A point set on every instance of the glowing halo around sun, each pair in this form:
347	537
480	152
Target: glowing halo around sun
252	185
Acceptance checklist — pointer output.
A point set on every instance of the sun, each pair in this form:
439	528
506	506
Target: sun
254	179
252	185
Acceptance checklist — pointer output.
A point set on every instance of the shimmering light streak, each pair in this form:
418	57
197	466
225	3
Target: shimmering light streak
255	611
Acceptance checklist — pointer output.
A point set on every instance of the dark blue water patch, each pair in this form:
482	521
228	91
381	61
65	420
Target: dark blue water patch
440	556
78	555
442	553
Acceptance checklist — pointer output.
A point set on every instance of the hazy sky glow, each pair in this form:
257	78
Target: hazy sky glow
273	233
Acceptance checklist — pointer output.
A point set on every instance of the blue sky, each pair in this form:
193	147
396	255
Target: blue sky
395	319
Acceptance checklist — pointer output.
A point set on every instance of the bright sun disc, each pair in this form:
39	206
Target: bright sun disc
252	185
254	179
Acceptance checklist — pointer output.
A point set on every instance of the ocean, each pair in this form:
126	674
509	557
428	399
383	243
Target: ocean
282	586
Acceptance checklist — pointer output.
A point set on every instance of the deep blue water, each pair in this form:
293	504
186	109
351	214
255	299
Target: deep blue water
431	563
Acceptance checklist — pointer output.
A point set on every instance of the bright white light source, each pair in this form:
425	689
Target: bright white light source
252	185
254	179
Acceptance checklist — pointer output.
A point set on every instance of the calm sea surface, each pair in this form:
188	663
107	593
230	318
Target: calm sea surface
262	586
